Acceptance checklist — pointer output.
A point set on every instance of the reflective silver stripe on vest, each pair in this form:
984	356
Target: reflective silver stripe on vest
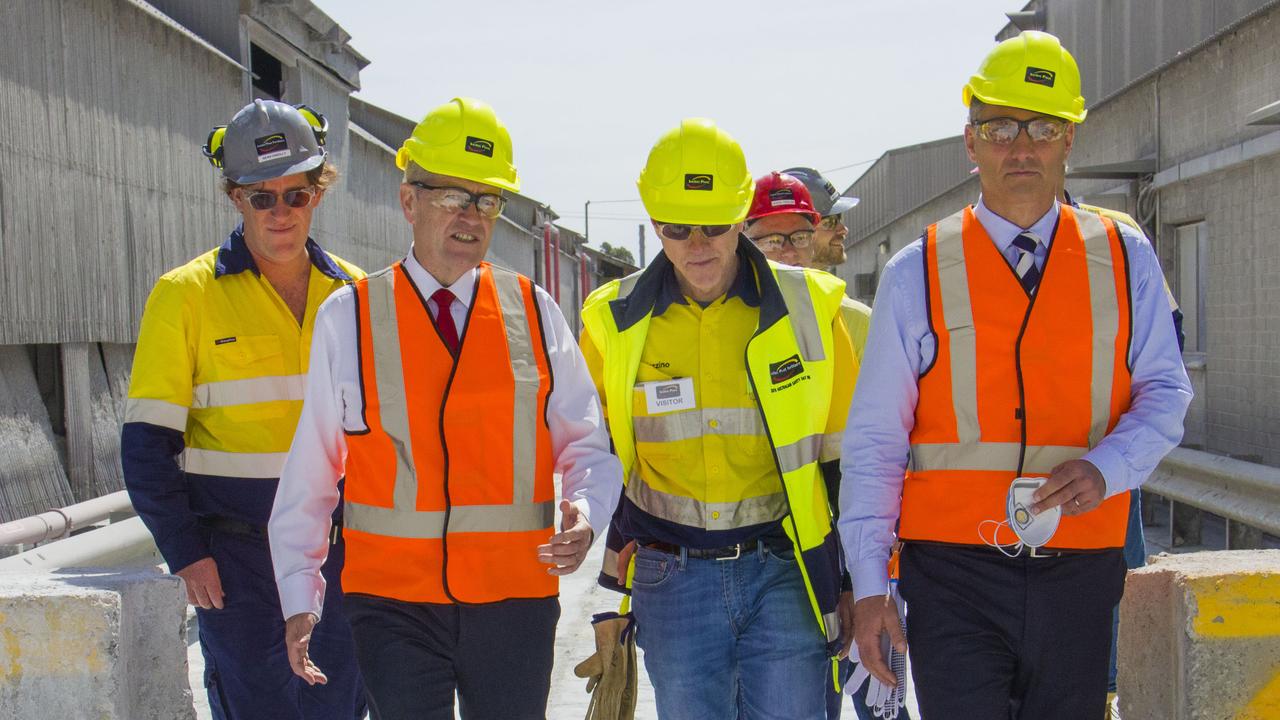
404	520
1040	459
831	625
462	519
673	427
156	412
247	391
957	314
830	447
264	466
627	284
1106	321
524	368
804	319
793	456
709	516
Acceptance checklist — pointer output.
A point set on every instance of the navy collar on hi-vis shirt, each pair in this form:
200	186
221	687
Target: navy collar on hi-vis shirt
234	257
656	289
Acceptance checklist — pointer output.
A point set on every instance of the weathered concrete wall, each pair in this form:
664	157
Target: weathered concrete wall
1200	637
101	643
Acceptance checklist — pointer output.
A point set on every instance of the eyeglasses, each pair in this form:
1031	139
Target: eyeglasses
263	200
1004	130
831	222
775	241
456	199
679	232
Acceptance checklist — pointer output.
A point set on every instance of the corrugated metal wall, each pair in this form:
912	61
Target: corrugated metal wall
102	185
903	179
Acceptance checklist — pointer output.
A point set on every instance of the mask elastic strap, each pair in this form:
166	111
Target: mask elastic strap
1017	547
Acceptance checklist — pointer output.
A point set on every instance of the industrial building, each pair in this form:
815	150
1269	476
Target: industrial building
1183	133
104	105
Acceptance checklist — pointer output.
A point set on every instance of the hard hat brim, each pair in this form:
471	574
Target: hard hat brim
270	173
844	202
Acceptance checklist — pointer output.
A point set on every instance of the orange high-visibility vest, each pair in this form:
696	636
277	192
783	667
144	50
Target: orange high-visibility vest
1019	383
449	492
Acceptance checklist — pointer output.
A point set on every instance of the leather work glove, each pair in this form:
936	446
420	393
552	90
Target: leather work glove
611	671
883	701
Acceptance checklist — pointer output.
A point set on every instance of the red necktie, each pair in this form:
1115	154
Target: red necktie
444	319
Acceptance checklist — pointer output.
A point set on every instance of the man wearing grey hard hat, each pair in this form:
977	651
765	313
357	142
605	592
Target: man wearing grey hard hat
214	398
830	233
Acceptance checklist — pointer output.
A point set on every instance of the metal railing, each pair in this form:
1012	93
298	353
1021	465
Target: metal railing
1246	494
124	541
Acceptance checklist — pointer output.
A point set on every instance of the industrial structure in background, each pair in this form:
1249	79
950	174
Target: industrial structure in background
105	105
1183	133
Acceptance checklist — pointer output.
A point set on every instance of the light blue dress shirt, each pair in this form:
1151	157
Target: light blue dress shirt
875	448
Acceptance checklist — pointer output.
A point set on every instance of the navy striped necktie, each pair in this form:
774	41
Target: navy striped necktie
1028	274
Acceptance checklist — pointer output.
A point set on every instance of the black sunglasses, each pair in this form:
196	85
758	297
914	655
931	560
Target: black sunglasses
263	200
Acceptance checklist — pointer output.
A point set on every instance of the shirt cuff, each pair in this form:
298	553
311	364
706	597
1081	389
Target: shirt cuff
183	549
301	593
870	578
1114	469
591	513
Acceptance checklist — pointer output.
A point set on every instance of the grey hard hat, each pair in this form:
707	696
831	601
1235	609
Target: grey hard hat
269	139
826	199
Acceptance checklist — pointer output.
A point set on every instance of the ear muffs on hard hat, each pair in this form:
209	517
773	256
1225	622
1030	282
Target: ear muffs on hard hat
462	138
696	174
1031	71
268	139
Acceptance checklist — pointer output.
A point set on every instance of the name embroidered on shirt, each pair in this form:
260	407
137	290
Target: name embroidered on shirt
224	341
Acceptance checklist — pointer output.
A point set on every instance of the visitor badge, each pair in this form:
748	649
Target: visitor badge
664	396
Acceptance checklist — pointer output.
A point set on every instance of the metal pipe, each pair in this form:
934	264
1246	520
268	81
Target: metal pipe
123	543
60	522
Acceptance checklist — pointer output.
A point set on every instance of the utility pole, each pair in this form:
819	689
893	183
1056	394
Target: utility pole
586	223
641	227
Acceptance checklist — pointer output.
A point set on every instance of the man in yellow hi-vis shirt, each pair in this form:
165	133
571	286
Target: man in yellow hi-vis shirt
215	394
718	370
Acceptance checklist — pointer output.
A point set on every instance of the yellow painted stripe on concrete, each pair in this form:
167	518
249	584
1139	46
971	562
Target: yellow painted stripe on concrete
1266	704
1242	606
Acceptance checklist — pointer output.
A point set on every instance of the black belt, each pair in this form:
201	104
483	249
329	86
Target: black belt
730	552
1027	552
233	526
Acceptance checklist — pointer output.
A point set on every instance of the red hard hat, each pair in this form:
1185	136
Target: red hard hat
778	193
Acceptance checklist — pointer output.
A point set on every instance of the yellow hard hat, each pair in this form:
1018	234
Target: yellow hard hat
1031	71
462	138
696	175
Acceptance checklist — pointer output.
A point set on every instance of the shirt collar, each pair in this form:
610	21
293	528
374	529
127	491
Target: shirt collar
234	257
1002	232
743	287
464	288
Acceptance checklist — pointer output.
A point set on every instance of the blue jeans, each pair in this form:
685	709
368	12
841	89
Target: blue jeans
1135	556
729	639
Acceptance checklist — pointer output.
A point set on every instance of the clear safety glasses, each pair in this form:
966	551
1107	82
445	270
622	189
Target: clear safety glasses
1004	130
456	199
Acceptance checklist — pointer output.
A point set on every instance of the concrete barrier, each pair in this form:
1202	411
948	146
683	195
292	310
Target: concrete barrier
107	644
1200	637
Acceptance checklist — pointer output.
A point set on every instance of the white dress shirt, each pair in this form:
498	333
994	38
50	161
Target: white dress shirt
591	476
876	443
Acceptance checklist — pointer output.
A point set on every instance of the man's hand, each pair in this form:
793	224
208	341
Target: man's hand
567	548
297	640
204	585
1076	485
873	617
844	608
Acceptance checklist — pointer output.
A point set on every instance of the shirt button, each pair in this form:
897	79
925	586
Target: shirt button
713	423
714	469
715	515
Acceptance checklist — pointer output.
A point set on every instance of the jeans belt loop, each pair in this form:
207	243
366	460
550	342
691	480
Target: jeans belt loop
683	558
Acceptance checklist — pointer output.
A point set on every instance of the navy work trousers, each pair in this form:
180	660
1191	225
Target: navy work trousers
496	657
1009	638
246	668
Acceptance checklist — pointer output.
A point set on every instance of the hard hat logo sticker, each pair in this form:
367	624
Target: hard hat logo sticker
271	147
697	181
782	197
479	146
1040	76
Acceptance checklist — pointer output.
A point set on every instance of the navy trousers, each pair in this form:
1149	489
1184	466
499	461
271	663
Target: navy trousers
1009	638
246	668
495	657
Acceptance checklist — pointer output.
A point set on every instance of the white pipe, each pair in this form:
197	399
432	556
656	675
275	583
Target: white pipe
59	523
122	543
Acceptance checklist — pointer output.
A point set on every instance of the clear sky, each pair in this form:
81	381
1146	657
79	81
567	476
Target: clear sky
587	87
